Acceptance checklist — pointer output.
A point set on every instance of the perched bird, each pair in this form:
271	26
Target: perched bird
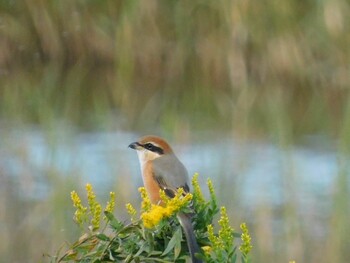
161	169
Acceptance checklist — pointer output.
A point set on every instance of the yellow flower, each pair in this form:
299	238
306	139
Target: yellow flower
156	213
226	231
80	214
211	189
216	241
111	203
224	240
90	195
245	237
163	196
146	202
168	211
197	192
179	200
76	199
207	249
131	211
95	207
153	216
96	216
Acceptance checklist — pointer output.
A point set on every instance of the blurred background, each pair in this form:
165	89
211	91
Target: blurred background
253	94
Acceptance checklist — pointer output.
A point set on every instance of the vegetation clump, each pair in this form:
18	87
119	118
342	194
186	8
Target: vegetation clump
154	234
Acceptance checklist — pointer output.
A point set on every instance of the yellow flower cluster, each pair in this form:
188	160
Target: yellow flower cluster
131	211
207	249
95	207
226	231
245	237
156	213
146	202
177	202
153	216
224	240
214	240
80	213
197	192
211	190
111	203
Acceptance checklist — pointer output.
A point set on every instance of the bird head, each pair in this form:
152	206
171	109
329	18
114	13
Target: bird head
151	147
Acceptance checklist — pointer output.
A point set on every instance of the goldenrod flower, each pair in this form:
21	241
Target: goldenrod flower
179	200
156	213
215	241
96	216
245	237
197	192
131	211
80	213
163	196
224	240
153	216
146	202
175	204
211	189
111	203
226	231
95	207
90	194
207	249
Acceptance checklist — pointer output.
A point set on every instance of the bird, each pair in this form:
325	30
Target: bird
161	169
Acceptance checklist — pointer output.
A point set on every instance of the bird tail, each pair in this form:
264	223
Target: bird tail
186	223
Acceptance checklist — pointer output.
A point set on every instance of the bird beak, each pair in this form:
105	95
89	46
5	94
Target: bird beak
135	145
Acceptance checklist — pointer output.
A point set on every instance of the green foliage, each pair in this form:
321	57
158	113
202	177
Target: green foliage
164	241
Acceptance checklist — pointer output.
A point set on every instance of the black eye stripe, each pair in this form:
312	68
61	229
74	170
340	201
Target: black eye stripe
151	147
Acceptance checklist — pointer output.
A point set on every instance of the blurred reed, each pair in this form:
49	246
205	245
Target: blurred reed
201	60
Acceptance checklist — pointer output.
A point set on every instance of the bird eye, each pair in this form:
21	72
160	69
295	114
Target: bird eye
149	146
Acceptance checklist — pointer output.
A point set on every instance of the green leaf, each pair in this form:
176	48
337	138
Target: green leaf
71	256
109	215
114	223
175	239
177	248
234	258
155	253
102	237
143	247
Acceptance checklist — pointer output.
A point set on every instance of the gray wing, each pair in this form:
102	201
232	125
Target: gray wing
170	174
